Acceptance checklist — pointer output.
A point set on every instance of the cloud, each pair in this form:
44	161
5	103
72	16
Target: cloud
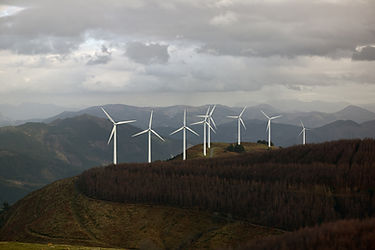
224	19
180	46
6	10
102	57
147	53
265	28
366	53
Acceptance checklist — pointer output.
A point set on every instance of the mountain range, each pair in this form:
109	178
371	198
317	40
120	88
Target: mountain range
37	153
171	116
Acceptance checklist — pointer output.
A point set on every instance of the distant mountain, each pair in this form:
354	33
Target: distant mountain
286	135
29	111
172	116
34	154
318	119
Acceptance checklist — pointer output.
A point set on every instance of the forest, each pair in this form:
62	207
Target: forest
286	188
343	234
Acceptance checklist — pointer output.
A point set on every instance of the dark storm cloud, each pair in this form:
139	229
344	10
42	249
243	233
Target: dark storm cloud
147	54
365	54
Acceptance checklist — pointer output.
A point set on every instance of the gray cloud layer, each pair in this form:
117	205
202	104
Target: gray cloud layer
247	28
146	54
76	46
365	54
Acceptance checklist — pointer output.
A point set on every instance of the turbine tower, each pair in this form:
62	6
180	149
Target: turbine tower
210	119
269	126
239	121
114	134
150	132
303	132
205	123
184	128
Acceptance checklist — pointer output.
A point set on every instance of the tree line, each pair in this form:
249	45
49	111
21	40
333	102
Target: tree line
288	188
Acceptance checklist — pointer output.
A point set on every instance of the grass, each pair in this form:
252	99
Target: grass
59	214
218	149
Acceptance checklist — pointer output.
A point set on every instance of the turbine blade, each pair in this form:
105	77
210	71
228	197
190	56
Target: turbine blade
265	114
213	122
302	124
149	124
210	127
232	116
140	133
185	117
109	117
195	123
212	110
274	117
208	110
161	138
243	124
124	122
178	130
192	131
268	125
300	133
113	131
202	116
242	111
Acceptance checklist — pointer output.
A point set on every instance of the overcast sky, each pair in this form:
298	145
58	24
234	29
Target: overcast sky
165	52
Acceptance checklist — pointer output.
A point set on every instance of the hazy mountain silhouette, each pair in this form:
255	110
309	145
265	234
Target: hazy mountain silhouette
172	116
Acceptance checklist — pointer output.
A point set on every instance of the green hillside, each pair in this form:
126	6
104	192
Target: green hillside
59	214
35	154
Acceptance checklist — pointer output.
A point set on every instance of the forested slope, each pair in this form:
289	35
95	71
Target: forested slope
288	188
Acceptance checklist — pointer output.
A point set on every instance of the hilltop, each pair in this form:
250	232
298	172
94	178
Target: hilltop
60	214
206	203
220	149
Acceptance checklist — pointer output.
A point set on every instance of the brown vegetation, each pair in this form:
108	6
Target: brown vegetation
346	234
287	188
59	214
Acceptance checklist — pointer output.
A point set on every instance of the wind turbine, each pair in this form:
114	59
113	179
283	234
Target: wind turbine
210	119
269	126
303	131
150	132
240	121
114	134
184	128
205	123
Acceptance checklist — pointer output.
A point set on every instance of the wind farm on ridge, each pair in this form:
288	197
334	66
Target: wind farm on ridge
207	128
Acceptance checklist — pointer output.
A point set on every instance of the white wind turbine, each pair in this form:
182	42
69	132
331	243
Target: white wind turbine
239	121
303	132
269	126
114	134
150	131
184	128
210	119
205	123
